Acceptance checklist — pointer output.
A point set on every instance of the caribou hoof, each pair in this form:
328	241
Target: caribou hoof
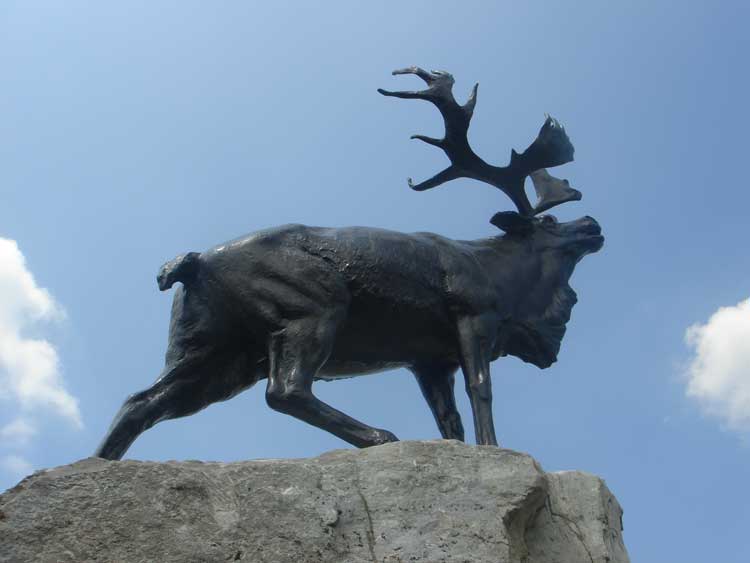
383	437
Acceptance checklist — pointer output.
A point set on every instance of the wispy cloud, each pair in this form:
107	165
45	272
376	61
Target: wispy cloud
18	432
718	376
31	382
16	465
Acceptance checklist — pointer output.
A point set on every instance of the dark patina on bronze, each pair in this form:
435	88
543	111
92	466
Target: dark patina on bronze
296	304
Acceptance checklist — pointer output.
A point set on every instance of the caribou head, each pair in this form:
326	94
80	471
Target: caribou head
545	250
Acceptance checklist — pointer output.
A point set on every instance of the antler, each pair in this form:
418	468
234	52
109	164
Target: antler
551	148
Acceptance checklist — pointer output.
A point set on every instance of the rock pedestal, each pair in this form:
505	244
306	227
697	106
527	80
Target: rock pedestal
402	502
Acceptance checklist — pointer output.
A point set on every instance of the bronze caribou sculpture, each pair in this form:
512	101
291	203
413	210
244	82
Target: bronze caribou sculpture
295	304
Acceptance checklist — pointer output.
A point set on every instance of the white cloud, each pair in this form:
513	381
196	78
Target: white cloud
18	432
30	375
719	371
16	465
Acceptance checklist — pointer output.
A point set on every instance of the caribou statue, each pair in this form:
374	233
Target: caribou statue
296	304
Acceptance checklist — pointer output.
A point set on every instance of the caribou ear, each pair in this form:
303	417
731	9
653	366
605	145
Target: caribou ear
512	222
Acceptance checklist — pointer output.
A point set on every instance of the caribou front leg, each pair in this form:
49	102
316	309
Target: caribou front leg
296	354
436	383
475	342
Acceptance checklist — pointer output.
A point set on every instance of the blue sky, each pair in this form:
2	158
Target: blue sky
135	132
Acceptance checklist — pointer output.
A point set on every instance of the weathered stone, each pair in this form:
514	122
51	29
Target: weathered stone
406	501
581	521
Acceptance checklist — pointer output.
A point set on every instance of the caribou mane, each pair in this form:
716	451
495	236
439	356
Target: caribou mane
537	340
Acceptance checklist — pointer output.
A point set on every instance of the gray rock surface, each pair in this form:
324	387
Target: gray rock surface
400	502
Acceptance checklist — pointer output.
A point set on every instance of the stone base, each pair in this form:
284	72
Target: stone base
402	502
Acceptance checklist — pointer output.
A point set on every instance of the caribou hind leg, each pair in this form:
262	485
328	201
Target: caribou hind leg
436	383
176	393
202	367
185	387
475	344
296	353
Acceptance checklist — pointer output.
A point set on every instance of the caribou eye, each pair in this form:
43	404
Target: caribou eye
549	220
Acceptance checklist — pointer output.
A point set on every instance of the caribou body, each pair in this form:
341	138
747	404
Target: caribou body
294	304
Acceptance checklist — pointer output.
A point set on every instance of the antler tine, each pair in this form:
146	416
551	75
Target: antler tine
551	191
439	84
422	73
456	117
551	147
